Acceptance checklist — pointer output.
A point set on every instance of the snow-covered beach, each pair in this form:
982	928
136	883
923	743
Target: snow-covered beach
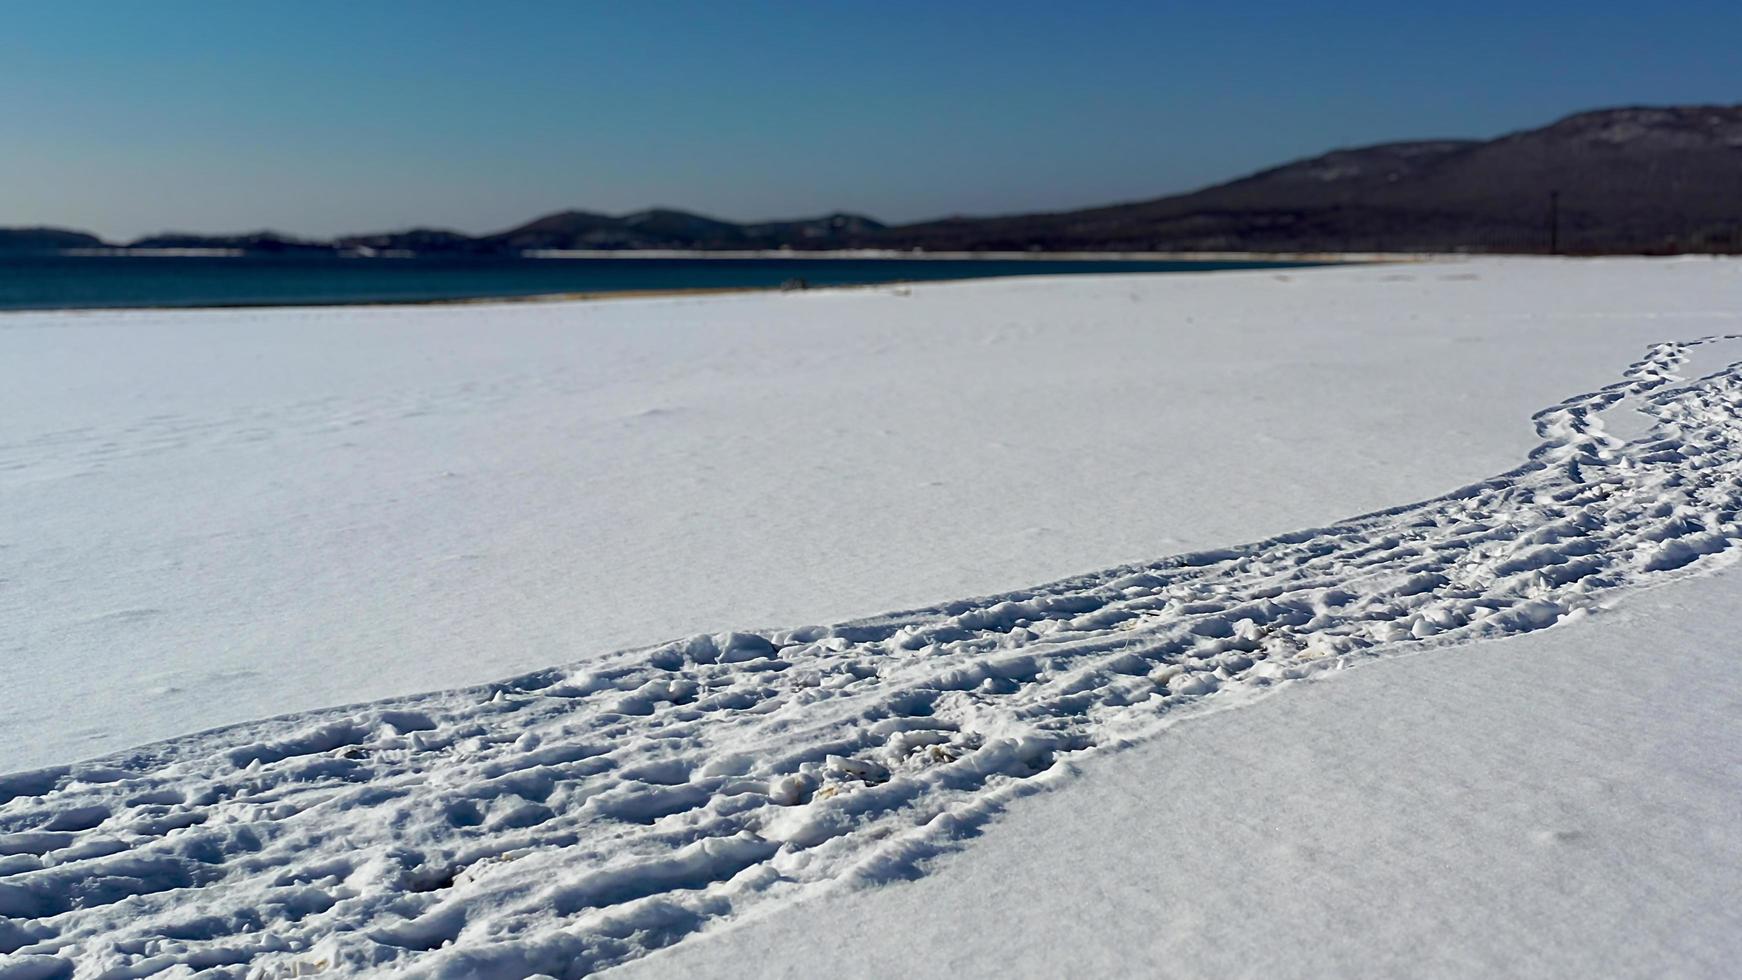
210	518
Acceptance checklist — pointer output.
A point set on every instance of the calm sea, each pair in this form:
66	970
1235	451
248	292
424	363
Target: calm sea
52	281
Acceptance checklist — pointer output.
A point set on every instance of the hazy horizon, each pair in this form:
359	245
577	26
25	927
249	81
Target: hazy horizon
320	119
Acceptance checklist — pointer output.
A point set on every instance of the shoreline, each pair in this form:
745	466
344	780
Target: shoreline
818	255
989	256
1259	265
565	297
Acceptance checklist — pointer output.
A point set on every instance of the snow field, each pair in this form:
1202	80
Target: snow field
1553	804
573	818
214	516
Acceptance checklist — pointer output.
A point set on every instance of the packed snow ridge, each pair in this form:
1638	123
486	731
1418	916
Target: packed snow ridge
571	819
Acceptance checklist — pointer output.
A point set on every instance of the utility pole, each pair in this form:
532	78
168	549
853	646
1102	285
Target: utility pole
1554	222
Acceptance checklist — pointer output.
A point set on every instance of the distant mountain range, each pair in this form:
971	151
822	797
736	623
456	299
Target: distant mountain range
45	239
1628	180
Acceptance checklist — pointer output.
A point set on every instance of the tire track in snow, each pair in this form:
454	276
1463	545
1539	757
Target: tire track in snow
570	819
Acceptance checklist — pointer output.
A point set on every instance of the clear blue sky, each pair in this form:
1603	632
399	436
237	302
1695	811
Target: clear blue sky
320	117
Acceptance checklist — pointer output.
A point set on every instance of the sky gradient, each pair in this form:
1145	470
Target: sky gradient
319	117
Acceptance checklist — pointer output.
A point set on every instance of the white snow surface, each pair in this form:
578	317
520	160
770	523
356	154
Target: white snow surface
215	516
1561	804
211	517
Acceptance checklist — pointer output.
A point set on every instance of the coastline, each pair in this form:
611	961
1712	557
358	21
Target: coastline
824	255
558	297
786	254
1212	262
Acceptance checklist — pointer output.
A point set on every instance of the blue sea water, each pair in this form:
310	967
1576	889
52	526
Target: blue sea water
60	281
